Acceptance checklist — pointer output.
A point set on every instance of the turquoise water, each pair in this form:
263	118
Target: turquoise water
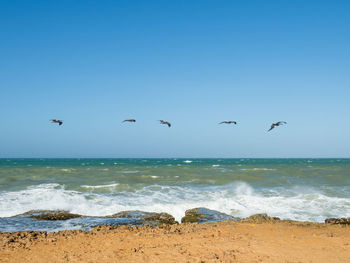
299	189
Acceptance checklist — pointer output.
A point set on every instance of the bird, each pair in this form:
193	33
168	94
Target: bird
57	121
165	122
273	125
228	122
130	120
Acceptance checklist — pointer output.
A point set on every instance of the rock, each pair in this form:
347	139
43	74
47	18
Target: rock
159	219
52	215
343	221
202	214
146	218
260	217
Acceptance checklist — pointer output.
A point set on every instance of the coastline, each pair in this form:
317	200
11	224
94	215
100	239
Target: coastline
225	241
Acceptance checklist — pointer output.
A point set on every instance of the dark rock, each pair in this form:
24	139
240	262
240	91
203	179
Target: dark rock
52	215
159	219
146	218
202	214
260	217
342	221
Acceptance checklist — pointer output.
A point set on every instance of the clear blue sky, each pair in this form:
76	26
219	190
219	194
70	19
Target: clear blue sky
193	63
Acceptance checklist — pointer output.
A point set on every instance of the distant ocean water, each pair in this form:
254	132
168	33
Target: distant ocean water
297	189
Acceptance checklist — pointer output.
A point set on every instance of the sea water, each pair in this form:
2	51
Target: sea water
297	189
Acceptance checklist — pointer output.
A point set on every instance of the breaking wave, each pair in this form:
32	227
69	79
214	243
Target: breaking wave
238	199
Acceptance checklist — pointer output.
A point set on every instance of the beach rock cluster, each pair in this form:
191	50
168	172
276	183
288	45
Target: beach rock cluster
51	220
342	221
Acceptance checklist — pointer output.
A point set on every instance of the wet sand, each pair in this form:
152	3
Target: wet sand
228	241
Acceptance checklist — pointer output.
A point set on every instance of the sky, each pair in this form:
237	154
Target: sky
193	63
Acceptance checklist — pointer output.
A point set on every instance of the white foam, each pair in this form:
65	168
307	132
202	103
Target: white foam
67	170
238	199
100	186
258	169
215	165
188	161
128	172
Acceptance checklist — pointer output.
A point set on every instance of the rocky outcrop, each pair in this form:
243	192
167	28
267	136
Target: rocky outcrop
202	214
341	221
51	215
260	218
146	218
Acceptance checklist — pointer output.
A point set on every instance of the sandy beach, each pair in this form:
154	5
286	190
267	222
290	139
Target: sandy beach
227	241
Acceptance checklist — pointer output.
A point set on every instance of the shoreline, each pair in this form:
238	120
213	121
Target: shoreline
225	241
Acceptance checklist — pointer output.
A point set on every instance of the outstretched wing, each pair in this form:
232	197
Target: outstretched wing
272	126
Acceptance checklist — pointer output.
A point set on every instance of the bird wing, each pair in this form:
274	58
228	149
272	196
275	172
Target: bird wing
272	126
222	122
168	123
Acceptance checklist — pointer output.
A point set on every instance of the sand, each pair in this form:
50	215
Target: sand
228	241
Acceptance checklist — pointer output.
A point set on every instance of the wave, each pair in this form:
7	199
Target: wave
128	172
238	199
258	169
67	170
100	186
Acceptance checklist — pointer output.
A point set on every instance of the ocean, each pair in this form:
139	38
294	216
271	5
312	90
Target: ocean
297	189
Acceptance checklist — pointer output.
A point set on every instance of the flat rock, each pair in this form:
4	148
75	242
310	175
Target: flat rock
50	215
260	218
146	218
202	214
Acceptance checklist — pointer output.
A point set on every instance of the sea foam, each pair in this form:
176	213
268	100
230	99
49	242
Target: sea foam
238	199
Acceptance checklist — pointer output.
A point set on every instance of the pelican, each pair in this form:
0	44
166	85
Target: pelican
165	122
228	122
57	121
130	120
273	125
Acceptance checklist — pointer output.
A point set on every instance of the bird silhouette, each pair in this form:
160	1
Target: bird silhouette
273	125
129	120
57	121
228	122
165	122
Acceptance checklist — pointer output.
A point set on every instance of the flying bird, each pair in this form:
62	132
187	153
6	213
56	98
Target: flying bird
165	122
228	122
130	120
273	125
57	121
